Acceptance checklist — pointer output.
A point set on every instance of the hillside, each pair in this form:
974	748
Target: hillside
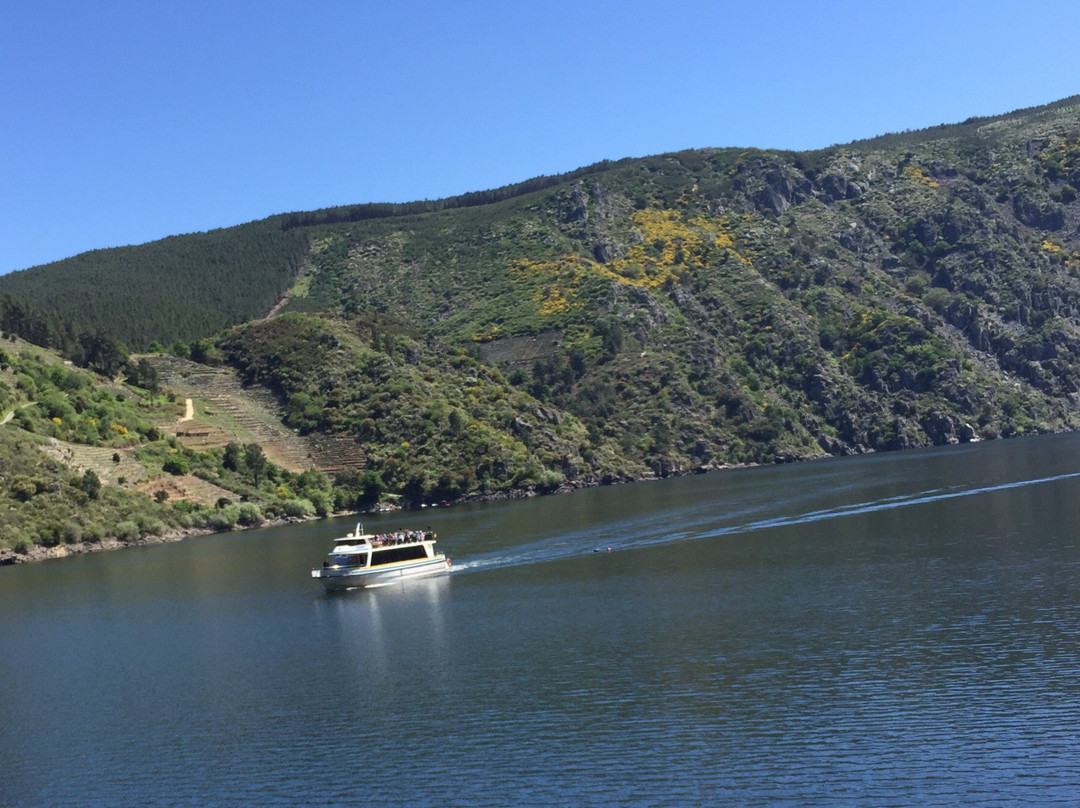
646	317
88	462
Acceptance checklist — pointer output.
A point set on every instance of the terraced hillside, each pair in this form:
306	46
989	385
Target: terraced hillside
227	410
123	470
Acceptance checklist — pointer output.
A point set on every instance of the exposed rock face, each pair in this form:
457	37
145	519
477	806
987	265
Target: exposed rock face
605	204
781	191
548	414
835	187
576	208
940	428
603	251
1046	216
817	387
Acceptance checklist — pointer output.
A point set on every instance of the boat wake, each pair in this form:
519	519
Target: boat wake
614	537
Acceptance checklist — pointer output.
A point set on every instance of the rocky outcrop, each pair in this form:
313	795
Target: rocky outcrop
835	187
1045	216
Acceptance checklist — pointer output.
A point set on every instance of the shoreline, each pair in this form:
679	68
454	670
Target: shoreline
36	553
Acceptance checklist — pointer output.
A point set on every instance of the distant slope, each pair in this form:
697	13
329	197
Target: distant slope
650	316
183	287
189	287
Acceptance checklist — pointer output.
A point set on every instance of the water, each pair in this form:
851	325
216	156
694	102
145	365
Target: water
899	629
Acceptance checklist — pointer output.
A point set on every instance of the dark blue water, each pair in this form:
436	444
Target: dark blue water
900	629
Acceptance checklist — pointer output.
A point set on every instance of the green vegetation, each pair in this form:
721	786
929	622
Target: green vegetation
433	423
179	288
67	436
644	317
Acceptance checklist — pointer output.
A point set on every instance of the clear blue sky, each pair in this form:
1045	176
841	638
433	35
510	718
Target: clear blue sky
125	122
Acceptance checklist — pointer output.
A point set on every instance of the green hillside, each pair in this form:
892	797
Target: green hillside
650	316
89	462
179	288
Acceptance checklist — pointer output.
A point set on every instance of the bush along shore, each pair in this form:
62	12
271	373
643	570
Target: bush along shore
28	552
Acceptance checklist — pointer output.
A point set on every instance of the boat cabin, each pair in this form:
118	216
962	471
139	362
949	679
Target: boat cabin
358	550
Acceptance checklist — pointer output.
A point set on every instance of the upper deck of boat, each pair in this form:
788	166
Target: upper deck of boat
380	540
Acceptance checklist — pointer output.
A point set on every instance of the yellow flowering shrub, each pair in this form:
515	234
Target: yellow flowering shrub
671	244
915	173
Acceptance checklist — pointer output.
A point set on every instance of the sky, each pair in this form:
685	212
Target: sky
123	122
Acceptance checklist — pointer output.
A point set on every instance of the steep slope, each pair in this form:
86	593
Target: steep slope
433	423
678	311
179	288
88	462
732	306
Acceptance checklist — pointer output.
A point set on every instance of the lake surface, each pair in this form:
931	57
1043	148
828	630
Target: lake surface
898	629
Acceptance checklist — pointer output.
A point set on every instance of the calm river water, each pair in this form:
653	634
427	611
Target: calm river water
899	629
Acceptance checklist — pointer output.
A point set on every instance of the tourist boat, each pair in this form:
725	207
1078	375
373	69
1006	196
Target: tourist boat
361	559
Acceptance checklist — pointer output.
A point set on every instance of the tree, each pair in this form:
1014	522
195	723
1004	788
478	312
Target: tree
231	459
146	376
101	353
91	484
303	412
371	488
255	461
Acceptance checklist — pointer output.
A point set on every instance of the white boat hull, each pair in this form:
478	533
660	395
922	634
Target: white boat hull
338	579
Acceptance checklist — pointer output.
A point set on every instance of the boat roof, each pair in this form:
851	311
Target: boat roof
352	538
345	549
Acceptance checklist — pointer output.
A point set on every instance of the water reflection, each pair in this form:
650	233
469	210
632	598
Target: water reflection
372	633
884	630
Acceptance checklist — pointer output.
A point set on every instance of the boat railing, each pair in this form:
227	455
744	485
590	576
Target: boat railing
402	537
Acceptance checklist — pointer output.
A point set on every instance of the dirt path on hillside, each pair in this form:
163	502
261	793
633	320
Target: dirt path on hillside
189	411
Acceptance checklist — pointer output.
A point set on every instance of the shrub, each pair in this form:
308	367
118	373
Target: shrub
937	299
23	488
221	521
72	532
249	514
322	502
175	466
48	536
298	507
549	480
126	531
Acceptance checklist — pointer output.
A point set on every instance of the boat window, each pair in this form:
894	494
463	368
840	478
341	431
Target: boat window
408	552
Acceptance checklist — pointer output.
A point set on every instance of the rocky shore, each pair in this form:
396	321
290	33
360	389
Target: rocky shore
37	552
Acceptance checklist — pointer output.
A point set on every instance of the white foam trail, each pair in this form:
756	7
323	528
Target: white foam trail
561	548
905	501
